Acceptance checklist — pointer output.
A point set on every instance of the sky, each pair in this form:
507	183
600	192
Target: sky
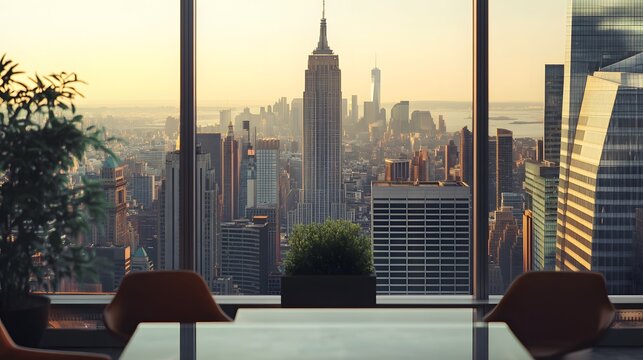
253	52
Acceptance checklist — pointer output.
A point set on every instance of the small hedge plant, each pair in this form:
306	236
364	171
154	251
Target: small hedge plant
335	247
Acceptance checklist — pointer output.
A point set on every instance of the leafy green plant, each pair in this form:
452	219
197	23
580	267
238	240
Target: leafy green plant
41	215
335	247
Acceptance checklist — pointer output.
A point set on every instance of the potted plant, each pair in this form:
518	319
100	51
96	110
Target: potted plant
41	214
328	265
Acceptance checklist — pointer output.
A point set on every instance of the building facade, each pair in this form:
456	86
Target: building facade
421	237
554	81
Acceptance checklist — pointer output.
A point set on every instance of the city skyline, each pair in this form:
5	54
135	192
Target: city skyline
411	69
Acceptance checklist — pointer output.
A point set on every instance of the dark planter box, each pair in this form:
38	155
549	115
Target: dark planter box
27	322
323	291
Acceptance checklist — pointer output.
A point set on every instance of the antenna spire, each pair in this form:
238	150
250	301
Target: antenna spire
323	9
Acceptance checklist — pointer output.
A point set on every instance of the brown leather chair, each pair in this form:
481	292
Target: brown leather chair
554	313
9	350
160	296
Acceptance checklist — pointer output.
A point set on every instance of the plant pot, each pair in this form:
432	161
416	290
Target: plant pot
323	291
27	322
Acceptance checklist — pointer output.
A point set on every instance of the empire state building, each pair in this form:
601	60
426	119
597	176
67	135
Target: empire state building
322	152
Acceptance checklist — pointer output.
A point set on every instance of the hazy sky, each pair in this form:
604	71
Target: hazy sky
254	51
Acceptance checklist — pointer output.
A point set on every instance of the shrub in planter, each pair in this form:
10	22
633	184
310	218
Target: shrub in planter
328	265
41	215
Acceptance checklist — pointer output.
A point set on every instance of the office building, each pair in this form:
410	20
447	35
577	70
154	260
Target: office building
554	80
376	83
142	189
114	229
515	201
207	246
268	155
422	121
354	112
322	156
225	118
442	125
115	264
604	187
397	170
504	163
230	176
466	156
246	166
421	237
245	255
492	173
211	144
450	159
420	166
503	234
399	123
271	214
541	198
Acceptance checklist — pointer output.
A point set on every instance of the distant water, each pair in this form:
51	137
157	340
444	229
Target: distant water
523	118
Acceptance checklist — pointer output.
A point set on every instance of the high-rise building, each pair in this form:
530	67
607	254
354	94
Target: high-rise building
267	152
466	156
208	254
492	173
376	82
592	45
527	241
442	125
515	201
246	163
422	121
420	166
541	199
114	231
172	127
230	176
271	214
637	248
604	186
399	123
354	113
322	162
344	111
297	116
142	189
397	170
554	80
450	159
504	163
141	261
246	255
421	237
211	144
503	234
115	264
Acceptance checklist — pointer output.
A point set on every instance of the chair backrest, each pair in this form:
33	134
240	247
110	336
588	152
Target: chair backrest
160	296
6	342
567	310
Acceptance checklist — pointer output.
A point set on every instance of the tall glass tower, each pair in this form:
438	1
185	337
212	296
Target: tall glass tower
600	146
322	163
376	82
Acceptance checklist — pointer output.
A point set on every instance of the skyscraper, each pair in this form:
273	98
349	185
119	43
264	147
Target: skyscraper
541	195
267	152
245	163
450	159
420	166
420	234
399	123
208	254
230	176
504	163
376	82
605	186
246	255
554	80
114	184
492	173
466	156
323	196
211	144
225	118
599	34
354	113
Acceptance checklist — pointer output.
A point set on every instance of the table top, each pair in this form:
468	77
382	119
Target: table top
324	316
323	341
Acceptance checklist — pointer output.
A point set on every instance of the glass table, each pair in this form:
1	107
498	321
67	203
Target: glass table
324	340
361	316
